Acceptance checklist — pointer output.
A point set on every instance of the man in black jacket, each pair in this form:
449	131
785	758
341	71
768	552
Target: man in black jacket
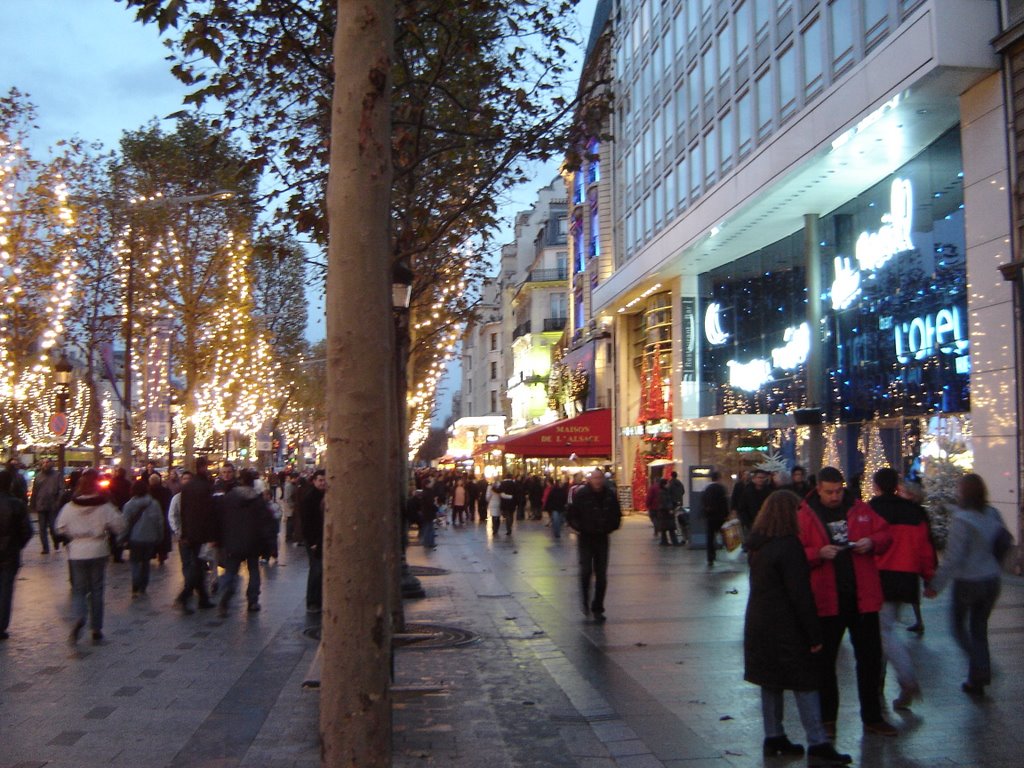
15	533
715	505
245	523
594	514
198	526
312	513
754	495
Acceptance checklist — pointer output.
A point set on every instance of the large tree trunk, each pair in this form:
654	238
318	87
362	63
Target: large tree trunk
355	702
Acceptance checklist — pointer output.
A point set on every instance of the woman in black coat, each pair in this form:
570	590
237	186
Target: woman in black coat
781	635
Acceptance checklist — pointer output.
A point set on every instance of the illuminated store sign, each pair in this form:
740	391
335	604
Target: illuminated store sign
797	347
875	249
713	325
846	286
751	376
929	335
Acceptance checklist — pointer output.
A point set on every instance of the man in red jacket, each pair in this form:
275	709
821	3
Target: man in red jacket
910	558
841	537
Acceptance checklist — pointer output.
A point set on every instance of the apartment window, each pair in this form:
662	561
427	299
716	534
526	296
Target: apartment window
876	20
659	138
659	207
562	263
648	217
693	92
724	54
696	170
494	342
648	147
692	20
494	371
595	232
679	24
577	309
680	107
787	82
580	192
593	161
558	305
707	64
745	122
813	59
726	141
841	25
762	15
764	104
741	21
710	156
494	401
577	244
681	181
670	194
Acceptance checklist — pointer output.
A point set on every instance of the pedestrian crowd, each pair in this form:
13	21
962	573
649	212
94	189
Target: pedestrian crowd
218	522
823	563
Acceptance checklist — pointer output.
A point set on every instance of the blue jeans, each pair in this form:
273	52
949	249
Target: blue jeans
139	557
556	522
8	573
229	580
972	605
807	703
87	581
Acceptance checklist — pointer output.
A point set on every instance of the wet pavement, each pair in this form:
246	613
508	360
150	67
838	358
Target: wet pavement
660	684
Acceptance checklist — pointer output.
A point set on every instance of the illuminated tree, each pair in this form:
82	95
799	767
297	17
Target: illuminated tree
38	266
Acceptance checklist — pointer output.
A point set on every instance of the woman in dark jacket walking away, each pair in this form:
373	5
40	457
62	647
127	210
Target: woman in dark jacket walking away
144	520
781	637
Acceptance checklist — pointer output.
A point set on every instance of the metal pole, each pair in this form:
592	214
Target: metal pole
816	355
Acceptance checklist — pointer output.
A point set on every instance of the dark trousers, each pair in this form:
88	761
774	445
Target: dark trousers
88	578
315	579
593	551
458	514
139	556
229	579
973	602
866	637
47	533
495	525
714	526
509	516
521	509
193	570
481	509
8	573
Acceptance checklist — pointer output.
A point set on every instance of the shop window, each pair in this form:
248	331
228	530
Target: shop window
841	24
787	82
813	59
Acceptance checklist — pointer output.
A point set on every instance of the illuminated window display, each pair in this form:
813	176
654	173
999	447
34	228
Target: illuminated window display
894	336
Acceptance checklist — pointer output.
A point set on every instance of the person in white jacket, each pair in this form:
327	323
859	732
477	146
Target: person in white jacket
84	523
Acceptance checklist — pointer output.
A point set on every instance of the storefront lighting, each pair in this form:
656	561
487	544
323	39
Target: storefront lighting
874	249
713	325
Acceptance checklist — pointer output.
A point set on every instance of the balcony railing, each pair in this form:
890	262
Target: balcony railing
547	275
521	330
552	324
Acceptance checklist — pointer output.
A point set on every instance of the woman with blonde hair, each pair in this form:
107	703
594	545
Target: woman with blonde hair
782	639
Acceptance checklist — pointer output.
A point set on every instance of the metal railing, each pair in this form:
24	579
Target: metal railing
554	324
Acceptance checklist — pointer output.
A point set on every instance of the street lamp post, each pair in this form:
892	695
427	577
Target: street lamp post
156	201
62	373
401	296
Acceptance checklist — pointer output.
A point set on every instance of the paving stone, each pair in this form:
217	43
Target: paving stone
99	713
66	738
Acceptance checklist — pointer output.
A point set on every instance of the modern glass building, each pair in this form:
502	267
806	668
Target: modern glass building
812	197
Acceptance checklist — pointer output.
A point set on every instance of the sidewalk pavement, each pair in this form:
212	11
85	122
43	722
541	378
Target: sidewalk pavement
659	685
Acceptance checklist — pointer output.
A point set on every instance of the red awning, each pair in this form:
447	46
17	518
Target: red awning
588	435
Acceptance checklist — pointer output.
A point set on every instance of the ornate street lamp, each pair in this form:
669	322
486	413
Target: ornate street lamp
62	370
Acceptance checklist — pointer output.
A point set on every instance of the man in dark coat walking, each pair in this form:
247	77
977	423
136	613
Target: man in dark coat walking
198	527
594	514
15	533
47	492
245	524
312	513
715	505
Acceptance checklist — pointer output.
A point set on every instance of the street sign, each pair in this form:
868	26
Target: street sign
59	424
